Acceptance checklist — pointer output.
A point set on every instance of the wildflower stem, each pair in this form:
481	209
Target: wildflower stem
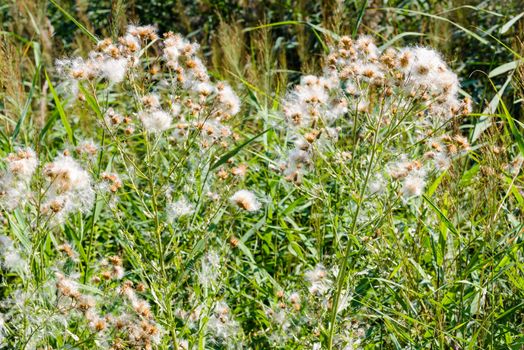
93	212
341	277
158	230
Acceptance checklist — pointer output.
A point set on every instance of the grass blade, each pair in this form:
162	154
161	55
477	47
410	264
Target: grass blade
50	122
443	217
233	152
513	128
510	23
506	67
25	111
72	19
359	18
465	30
60	109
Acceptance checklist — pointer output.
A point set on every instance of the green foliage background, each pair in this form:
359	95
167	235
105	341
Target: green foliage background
262	47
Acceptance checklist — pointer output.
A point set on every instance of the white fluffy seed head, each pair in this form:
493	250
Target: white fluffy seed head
180	208
229	100
113	70
66	174
245	200
155	121
22	163
413	186
14	183
69	188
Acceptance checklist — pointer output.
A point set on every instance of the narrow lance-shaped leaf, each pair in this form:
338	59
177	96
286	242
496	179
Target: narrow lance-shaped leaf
61	112
233	152
72	19
25	111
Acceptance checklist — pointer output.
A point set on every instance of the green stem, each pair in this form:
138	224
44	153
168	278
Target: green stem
158	227
342	273
93	212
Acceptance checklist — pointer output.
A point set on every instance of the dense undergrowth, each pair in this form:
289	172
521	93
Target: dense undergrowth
308	178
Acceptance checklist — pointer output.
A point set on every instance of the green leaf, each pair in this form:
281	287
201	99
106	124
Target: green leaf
247	252
468	175
484	121
293	205
506	67
27	104
510	23
296	250
361	14
78	24
20	229
515	191
91	101
314	27
233	152
465	30
435	184
50	122
514	130
60	109
443	217
519	307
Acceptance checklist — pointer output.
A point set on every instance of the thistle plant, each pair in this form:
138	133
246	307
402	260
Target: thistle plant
375	125
158	122
174	218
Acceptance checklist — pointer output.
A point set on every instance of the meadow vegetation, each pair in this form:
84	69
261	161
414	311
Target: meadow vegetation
261	175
